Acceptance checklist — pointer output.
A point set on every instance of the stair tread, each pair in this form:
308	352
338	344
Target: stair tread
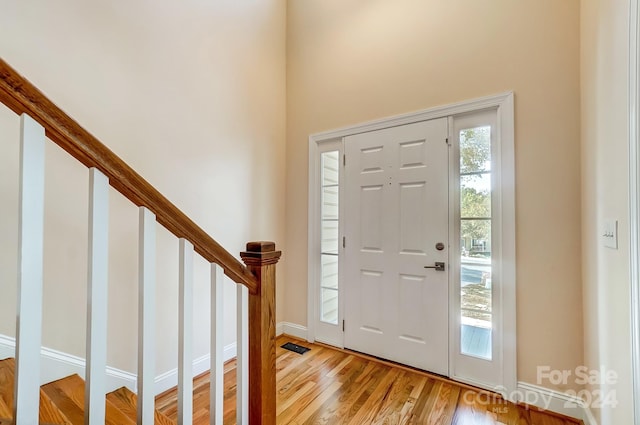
62	401
48	414
7	376
127	401
68	395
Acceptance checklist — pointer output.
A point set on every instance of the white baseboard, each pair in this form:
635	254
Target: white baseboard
56	365
169	379
555	401
292	329
588	417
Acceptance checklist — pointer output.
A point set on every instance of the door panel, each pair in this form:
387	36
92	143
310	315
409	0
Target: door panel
372	286
371	217
413	221
396	212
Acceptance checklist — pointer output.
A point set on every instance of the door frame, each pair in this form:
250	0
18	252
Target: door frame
503	103
634	197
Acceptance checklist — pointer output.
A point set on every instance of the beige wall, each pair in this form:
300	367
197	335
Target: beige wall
351	61
604	68
192	95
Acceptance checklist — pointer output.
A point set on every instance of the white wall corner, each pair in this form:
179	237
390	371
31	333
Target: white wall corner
555	401
291	329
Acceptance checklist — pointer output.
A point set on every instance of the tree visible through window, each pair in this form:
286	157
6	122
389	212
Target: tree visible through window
475	241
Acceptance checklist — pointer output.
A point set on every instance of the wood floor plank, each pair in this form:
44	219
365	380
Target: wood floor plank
407	413
371	405
335	387
302	416
5	411
306	373
446	401
391	409
329	412
290	401
511	414
431	398
421	409
344	406
471	411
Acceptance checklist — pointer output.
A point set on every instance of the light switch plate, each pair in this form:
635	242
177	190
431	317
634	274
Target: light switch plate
609	234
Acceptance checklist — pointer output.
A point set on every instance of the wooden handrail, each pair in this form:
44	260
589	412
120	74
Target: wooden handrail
17	93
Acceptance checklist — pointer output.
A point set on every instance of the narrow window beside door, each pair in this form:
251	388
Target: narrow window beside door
475	242
329	249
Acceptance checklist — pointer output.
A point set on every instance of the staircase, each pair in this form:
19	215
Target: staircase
62	401
69	400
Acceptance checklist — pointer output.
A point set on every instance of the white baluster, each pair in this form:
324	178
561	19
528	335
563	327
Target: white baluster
146	317
30	276
217	341
97	294
185	330
242	408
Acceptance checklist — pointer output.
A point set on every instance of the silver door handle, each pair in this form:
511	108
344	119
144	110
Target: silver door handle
439	266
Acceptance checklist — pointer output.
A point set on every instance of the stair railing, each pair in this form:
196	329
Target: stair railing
256	391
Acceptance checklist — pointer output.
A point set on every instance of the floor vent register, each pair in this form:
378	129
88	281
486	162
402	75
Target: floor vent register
295	348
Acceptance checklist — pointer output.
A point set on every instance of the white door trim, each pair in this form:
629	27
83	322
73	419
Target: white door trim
634	198
478	104
504	104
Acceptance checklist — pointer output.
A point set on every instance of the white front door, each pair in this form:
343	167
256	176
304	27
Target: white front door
396	223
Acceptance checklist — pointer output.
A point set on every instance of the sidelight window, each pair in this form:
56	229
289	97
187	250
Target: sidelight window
329	235
475	242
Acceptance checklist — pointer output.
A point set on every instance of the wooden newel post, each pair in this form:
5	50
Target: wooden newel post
261	258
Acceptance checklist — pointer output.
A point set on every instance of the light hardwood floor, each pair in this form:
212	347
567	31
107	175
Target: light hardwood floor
329	386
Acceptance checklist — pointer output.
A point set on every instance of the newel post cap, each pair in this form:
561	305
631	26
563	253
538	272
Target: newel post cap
260	253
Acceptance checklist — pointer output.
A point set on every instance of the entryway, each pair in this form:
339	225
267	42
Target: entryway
412	240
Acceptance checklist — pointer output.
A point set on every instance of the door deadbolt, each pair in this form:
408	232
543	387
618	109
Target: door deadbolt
439	246
439	267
